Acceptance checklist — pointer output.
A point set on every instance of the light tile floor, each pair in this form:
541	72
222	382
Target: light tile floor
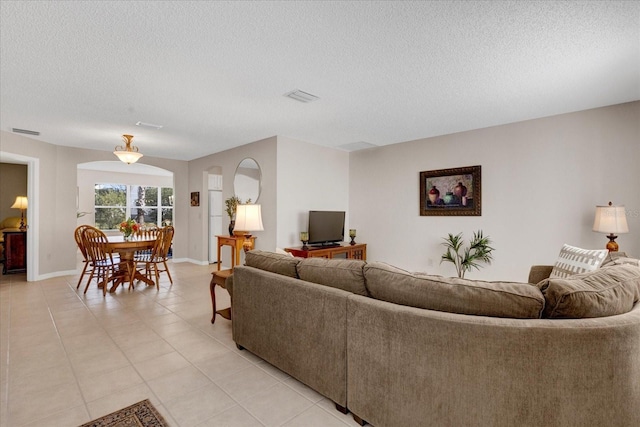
67	358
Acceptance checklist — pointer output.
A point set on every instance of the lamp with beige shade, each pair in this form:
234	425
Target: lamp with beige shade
248	219
611	219
21	203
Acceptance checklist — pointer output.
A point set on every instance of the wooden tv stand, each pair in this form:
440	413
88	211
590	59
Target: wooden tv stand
341	250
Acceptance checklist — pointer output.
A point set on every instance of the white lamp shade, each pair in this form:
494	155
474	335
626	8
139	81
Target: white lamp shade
610	219
128	156
20	203
248	218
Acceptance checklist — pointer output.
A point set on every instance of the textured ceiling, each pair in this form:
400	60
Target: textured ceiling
214	73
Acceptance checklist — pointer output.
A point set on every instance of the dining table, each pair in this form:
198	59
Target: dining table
127	248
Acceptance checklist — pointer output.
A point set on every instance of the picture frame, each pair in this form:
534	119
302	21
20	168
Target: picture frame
195	198
451	192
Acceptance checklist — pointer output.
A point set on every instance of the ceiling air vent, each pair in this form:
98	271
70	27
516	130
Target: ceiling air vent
301	96
355	146
25	131
148	125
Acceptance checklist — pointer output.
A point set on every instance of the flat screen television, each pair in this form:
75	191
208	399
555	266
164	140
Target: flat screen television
326	227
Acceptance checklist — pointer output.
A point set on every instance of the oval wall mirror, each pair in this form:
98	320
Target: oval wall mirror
247	180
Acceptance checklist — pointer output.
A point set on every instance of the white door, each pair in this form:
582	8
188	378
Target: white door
215	223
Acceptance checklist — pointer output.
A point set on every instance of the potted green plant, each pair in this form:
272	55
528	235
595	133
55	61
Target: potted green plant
465	259
231	204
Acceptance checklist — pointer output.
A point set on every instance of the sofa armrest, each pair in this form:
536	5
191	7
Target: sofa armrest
539	273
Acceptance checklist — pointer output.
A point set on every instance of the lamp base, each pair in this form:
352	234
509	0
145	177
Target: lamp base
612	246
246	245
23	227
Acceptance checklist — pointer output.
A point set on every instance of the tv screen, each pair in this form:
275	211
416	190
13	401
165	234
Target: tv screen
326	227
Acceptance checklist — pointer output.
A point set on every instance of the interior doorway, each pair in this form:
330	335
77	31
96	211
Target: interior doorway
32	212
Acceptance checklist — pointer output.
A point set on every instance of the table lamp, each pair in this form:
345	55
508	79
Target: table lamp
611	219
248	219
21	203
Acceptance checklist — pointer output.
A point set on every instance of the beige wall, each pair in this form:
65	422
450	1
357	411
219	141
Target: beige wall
225	163
13	183
310	177
52	209
541	181
296	177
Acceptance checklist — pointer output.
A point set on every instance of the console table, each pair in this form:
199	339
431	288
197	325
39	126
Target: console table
15	252
342	250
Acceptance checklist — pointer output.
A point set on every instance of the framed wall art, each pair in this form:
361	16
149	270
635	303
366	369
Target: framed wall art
195	198
455	192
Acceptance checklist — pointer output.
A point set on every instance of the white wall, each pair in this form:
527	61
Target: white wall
310	177
541	181
88	178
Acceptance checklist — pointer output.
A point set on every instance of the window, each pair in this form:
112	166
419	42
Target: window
116	202
110	205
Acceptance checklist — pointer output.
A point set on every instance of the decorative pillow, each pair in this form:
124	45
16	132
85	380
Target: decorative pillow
604	292
11	222
273	262
345	274
453	295
574	260
283	252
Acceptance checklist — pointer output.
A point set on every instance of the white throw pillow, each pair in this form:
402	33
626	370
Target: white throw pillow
572	260
283	252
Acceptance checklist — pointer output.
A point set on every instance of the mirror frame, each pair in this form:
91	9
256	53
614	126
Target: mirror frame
235	175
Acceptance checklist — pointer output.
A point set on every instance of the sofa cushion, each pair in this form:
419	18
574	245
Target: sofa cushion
573	260
345	274
273	262
453	295
626	260
604	292
612	257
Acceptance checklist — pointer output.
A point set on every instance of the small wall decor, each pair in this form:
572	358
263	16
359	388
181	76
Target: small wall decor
195	198
455	191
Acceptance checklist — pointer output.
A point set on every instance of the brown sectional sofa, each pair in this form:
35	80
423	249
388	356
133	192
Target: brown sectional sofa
400	349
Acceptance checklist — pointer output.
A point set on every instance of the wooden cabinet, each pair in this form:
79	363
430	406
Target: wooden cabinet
343	250
15	252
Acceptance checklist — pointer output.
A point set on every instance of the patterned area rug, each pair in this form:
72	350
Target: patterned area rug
141	414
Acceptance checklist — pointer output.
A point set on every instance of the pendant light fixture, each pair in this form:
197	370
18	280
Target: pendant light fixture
129	153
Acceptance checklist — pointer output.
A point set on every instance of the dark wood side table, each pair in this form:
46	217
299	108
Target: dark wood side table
15	252
218	278
342	250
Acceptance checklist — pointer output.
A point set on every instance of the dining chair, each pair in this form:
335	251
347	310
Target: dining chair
104	265
77	234
146	232
158	256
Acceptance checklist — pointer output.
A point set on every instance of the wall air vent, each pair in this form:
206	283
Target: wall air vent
301	96
25	131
